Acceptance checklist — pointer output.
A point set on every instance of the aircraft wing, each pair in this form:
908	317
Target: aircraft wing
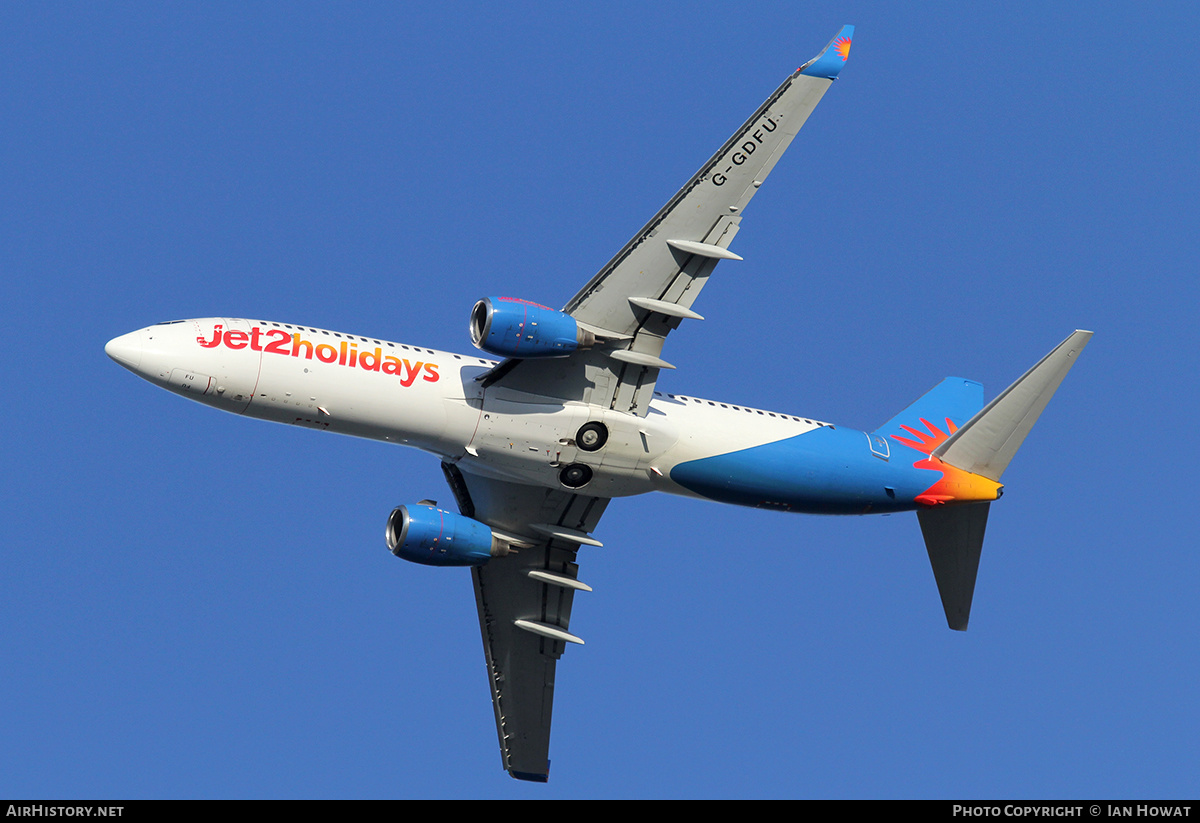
649	287
524	601
632	303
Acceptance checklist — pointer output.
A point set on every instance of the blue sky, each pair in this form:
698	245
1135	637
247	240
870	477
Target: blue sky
197	605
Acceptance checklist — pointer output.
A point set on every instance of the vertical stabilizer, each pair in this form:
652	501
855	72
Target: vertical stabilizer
954	399
954	540
988	441
984	446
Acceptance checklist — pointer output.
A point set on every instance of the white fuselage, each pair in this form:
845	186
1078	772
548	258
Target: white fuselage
433	401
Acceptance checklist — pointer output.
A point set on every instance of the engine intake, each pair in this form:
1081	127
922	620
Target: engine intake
512	327
436	537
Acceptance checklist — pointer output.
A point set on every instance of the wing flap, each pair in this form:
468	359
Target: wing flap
521	664
524	602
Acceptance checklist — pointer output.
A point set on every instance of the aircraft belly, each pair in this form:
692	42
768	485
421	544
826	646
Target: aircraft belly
532	442
527	432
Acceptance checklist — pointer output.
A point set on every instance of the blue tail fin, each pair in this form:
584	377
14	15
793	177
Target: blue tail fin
980	444
955	398
953	534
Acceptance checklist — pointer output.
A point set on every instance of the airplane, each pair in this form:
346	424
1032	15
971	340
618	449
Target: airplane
536	444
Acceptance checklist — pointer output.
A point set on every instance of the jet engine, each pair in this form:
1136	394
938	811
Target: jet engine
512	327
426	534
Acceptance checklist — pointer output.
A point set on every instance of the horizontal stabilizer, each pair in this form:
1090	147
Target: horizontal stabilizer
988	441
954	540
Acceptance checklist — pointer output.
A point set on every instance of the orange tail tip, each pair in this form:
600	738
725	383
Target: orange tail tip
957	486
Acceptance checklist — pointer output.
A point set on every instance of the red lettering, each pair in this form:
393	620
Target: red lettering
374	357
281	338
346	353
297	342
211	344
411	373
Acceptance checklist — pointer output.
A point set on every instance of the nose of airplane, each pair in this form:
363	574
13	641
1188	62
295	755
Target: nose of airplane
126	349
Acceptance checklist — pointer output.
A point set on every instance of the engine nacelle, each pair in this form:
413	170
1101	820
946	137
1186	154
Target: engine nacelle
518	328
436	537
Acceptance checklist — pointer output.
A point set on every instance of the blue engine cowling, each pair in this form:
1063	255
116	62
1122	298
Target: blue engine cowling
436	537
512	327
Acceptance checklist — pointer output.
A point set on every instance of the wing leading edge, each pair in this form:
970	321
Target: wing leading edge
649	286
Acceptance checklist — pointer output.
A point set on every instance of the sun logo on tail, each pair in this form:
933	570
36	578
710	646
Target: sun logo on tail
927	442
842	46
955	485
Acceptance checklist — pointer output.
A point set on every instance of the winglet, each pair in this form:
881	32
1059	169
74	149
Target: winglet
829	62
